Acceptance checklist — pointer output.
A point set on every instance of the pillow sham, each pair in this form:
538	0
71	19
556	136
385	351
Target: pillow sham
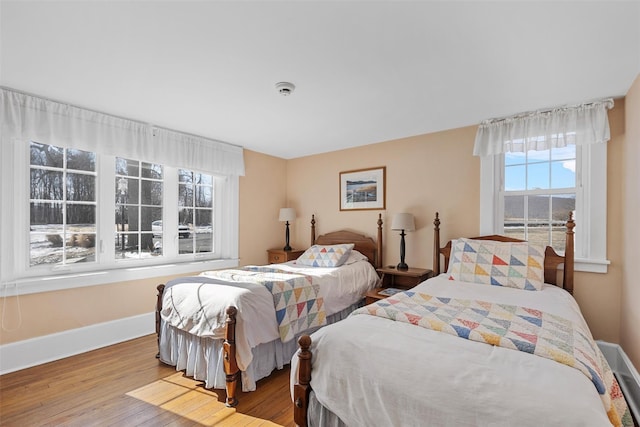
326	255
510	264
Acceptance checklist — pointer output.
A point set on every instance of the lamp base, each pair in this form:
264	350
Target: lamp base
402	266
287	248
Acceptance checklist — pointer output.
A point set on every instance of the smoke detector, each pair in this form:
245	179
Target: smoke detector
285	88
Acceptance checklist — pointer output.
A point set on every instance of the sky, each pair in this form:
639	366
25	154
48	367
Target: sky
544	171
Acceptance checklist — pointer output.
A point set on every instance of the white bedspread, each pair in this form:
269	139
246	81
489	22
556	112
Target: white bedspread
372	371
198	304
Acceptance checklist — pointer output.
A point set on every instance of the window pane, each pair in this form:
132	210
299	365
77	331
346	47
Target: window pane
131	218
81	188
538	227
204	197
204	242
46	184
538	176
563	174
514	216
127	167
564	153
203	179
46	214
127	190
81	160
151	170
185	195
46	155
185	216
185	176
204	230
148	216
514	159
81	237
82	216
514	178
538	156
151	193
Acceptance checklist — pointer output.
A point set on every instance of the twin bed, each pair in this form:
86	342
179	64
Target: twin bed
238	325
420	357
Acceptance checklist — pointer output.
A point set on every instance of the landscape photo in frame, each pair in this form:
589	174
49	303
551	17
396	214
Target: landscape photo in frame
363	189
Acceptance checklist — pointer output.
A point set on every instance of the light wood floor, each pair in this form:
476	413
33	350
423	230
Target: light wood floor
125	385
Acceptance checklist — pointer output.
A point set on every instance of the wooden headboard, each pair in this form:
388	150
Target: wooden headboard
363	244
552	260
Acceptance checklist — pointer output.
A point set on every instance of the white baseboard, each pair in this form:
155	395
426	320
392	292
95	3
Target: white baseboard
36	351
626	374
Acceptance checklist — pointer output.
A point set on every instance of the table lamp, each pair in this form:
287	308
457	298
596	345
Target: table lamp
287	214
403	222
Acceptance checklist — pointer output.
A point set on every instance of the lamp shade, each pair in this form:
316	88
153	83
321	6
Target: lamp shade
403	221
287	214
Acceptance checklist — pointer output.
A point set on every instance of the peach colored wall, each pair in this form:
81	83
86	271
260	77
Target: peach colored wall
262	193
35	315
437	172
630	306
416	169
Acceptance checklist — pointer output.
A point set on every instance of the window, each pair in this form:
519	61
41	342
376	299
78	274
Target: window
62	205
90	198
537	167
195	212
537	195
138	214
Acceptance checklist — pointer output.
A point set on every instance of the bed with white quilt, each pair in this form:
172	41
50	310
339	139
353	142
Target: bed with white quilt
493	341
226	326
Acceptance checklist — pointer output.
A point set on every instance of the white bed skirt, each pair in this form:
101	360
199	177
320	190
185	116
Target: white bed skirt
202	358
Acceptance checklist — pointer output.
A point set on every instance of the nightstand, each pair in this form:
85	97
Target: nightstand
277	256
391	277
373	296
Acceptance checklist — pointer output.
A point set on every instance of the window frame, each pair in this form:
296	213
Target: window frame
591	212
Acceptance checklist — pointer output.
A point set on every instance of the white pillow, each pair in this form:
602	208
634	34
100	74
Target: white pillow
354	257
326	255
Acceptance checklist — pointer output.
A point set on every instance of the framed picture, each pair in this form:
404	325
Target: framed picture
362	189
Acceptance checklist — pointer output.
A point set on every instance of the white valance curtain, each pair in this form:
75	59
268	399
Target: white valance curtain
543	130
30	118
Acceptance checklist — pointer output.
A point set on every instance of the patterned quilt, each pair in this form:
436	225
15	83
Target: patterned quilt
295	297
513	327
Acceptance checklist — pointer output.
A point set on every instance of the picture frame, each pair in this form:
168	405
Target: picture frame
363	189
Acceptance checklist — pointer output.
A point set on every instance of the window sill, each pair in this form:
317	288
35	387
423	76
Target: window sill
40	284
591	265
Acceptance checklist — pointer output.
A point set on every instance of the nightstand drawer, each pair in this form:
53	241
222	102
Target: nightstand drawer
277	256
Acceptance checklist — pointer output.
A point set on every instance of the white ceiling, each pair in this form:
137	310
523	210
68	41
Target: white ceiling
364	72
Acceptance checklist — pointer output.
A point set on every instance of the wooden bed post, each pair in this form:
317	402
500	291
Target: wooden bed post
160	289
569	253
436	245
302	388
230	364
379	243
313	229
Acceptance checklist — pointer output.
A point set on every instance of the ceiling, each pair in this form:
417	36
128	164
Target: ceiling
364	72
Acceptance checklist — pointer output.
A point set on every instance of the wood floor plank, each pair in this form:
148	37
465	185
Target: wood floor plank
125	385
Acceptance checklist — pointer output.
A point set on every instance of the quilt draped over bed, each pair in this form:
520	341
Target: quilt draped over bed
296	298
514	327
